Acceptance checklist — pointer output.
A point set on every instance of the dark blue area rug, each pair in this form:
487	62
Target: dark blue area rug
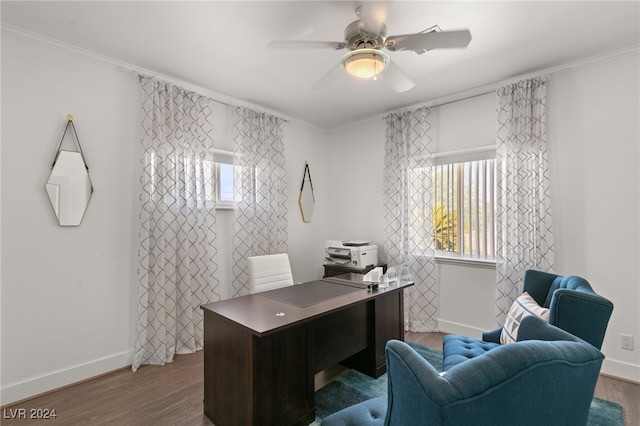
353	387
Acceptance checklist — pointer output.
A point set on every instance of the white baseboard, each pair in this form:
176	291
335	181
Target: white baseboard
47	382
460	329
621	370
610	367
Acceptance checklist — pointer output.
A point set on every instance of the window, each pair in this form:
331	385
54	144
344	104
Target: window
224	187
464	209
223	178
225	182
218	177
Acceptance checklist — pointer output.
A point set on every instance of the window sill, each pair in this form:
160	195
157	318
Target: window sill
461	261
224	205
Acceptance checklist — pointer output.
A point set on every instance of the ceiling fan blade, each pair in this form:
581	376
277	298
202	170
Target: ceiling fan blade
333	76
397	79
422	42
304	44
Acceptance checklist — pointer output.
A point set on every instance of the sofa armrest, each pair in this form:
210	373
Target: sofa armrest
492	336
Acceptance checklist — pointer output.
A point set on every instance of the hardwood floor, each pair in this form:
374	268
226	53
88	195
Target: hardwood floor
172	395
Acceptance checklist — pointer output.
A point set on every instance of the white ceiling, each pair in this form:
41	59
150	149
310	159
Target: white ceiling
222	46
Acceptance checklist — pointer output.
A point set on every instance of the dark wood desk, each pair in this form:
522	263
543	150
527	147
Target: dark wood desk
261	353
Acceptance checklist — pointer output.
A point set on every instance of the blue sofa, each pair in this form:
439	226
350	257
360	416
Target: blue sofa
547	378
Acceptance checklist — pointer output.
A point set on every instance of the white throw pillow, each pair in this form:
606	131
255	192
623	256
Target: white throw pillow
523	306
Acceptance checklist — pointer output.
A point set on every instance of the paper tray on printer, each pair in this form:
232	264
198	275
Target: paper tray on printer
350	283
356	243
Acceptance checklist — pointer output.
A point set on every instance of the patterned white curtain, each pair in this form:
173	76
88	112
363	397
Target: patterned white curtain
408	187
524	232
176	265
260	216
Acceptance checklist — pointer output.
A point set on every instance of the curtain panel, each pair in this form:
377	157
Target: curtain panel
176	237
408	205
523	218
260	181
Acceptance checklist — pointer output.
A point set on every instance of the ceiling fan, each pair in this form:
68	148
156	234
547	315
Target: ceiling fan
367	36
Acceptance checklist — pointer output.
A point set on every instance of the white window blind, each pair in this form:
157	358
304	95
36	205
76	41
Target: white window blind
464	209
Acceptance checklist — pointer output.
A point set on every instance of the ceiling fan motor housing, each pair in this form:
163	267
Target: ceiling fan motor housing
357	36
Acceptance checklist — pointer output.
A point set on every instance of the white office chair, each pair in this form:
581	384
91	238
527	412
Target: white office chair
269	272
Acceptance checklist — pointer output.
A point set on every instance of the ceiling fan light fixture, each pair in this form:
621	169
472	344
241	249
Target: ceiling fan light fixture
365	63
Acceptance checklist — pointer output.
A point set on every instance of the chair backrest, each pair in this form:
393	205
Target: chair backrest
269	272
573	305
530	382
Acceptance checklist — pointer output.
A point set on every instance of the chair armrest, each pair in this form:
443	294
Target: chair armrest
581	313
535	328
367	413
492	336
410	379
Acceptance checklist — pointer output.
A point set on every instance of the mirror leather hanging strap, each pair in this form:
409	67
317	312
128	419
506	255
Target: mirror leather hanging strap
70	124
306	173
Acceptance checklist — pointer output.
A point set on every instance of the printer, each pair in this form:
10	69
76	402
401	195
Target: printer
353	253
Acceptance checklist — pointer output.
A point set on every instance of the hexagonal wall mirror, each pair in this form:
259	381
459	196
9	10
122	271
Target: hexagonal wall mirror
69	186
307	199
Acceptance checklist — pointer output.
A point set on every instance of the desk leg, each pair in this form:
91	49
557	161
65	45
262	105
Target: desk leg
389	324
282	379
251	380
385	322
228	372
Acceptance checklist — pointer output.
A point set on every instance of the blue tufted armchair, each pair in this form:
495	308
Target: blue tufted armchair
546	381
573	306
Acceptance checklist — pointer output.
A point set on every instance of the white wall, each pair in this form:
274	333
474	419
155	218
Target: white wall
355	164
69	294
593	127
67	304
594	131
306	240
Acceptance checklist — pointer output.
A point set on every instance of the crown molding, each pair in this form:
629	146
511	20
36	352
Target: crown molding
48	42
